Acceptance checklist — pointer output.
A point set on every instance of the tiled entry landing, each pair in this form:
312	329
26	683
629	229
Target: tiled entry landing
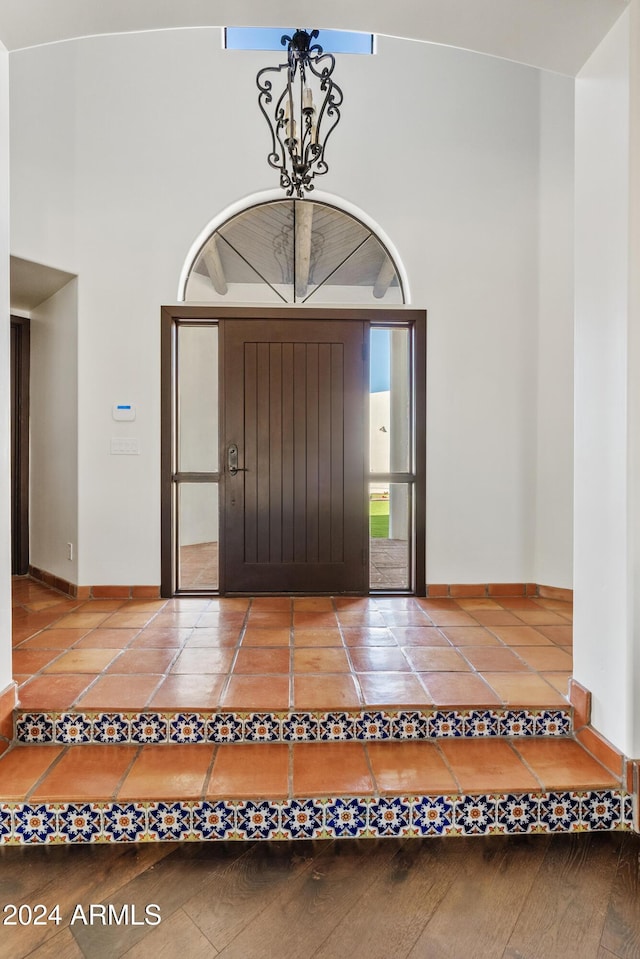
281	654
280	717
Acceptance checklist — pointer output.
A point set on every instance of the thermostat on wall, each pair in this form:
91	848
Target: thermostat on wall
124	411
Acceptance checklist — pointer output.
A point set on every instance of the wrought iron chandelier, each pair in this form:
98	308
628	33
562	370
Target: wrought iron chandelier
304	113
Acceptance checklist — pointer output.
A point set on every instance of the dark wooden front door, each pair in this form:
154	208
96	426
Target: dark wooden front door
294	515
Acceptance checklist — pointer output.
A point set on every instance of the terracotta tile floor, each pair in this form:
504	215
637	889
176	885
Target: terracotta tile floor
280	770
287	653
284	653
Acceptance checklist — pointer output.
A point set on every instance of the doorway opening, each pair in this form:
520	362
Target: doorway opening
277	476
20	355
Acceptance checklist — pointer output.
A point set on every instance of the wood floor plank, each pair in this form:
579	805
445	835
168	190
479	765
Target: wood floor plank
170	883
565	914
388	919
250	886
297	923
484	898
177	936
64	875
621	934
61	946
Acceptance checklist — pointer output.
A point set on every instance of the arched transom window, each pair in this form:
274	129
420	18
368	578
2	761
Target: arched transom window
294	251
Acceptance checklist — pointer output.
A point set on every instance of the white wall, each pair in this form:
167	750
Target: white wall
554	422
606	422
5	406
441	147
53	508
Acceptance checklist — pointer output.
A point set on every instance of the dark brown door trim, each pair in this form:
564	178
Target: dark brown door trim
19	445
415	319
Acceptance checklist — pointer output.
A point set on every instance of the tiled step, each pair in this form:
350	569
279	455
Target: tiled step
196	726
203	791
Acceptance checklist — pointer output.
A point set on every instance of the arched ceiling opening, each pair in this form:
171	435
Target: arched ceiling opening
557	35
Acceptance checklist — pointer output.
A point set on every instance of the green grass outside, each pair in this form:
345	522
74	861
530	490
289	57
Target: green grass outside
379	518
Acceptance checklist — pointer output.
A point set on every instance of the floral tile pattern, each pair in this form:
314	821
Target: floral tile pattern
215	820
125	823
299	726
80	823
187	728
338	817
112	728
72	728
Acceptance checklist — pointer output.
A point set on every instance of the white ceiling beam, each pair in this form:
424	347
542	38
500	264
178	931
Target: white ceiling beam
213	263
384	278
302	255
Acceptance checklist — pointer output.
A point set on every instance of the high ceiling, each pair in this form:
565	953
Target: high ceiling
557	35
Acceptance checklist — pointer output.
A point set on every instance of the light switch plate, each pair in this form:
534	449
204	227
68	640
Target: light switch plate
125	446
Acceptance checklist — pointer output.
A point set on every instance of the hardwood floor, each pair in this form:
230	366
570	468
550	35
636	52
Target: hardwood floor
535	897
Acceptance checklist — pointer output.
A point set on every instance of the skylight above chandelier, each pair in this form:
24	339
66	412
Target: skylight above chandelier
301	104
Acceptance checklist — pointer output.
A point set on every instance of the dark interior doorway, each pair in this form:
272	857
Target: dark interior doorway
19	445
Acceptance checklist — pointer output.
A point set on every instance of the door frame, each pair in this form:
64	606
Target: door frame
373	316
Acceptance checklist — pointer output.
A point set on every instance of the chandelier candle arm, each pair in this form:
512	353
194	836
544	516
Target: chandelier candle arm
305	112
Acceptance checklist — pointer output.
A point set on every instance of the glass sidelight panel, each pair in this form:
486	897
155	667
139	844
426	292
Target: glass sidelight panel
389	535
198	536
390	401
197	399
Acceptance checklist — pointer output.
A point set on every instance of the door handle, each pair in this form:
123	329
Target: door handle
232	460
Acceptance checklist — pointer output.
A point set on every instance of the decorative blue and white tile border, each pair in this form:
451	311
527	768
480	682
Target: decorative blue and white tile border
337	817
299	726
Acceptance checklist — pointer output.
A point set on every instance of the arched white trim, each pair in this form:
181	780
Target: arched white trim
268	196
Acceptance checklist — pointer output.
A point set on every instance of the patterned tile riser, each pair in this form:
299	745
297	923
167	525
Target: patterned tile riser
325	818
368	725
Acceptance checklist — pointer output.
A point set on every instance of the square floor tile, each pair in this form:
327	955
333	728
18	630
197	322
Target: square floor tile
520	636
523	689
563	764
86	773
330	769
260	661
436	659
142	661
315	659
409	768
117	691
325	691
392	689
458	689
264	636
372	658
187	691
323	636
203	660
22	767
368	636
257	692
83	661
160	774
546	657
250	771
470	636
52	692
419	636
487	765
495	658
